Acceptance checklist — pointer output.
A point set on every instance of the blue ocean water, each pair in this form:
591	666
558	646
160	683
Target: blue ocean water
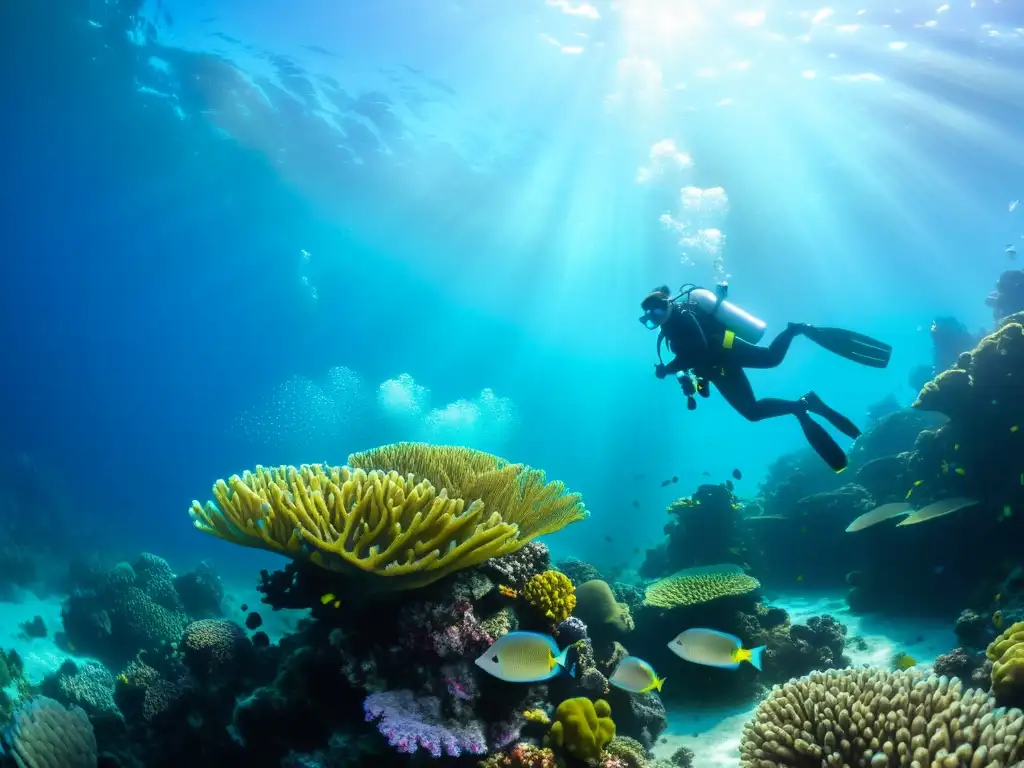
265	232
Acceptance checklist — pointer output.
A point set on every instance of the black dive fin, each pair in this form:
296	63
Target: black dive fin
851	345
835	418
822	443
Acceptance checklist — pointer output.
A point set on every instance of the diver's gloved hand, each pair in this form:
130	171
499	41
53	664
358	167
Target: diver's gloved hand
661	371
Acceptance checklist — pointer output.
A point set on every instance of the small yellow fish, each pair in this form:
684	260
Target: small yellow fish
956	446
908	493
1014	428
332	599
636	676
904	661
508	591
122	678
715	649
997	620
918	482
523	657
998	597
961	471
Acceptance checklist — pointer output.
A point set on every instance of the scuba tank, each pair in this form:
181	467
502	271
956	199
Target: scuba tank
746	327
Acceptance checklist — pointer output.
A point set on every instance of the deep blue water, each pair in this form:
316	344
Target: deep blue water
466	191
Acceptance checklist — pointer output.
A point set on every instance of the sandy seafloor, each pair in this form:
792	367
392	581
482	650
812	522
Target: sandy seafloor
712	735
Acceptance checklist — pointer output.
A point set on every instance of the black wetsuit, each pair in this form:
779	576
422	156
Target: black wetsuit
703	346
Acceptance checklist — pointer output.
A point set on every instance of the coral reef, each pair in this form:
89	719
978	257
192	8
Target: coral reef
870	716
1006	653
376	523
703	529
44	733
699	585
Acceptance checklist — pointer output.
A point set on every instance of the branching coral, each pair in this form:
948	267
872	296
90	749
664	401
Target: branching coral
878	718
399	531
1006	653
551	594
520	494
699	585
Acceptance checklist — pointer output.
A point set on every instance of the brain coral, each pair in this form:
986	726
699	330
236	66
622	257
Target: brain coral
383	522
872	717
1007	655
694	586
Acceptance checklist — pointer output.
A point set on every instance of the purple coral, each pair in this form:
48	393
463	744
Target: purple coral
449	630
410	722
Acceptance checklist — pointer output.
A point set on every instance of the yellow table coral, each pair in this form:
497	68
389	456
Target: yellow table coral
394	527
551	594
582	728
694	586
1007	655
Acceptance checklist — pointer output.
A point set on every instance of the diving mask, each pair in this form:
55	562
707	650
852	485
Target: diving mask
656	308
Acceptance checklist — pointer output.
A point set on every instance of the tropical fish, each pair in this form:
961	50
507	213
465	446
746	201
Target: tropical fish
714	649
904	661
636	676
331	599
737	474
937	509
997	620
878	515
523	657
507	591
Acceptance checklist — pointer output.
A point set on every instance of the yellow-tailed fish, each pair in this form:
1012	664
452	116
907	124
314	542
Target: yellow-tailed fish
714	649
523	657
904	661
997	620
636	676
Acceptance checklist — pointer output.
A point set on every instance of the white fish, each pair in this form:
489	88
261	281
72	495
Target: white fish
636	676
714	649
523	657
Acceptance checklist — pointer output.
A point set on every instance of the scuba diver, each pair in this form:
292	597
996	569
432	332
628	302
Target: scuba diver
716	340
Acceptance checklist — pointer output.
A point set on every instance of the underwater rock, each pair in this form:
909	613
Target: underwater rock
959	662
973	630
201	592
703	529
577	570
516	568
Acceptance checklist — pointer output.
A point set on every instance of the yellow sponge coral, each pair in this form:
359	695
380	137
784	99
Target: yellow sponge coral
582	728
401	532
522	495
552	594
694	586
1007	655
